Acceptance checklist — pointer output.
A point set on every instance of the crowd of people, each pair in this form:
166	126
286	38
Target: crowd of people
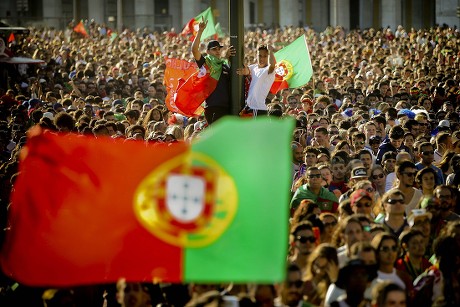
375	153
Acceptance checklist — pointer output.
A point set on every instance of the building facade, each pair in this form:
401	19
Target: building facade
165	14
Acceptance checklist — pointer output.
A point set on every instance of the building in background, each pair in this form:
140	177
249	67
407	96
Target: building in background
165	14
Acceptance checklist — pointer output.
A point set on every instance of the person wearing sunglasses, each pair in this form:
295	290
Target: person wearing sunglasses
378	179
302	243
426	159
361	202
313	189
387	247
290	291
393	203
405	172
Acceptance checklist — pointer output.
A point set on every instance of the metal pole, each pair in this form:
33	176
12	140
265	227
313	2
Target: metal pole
236	20
75	11
119	16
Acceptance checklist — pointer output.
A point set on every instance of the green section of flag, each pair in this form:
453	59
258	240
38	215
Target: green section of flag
219	31
256	154
211	26
298	56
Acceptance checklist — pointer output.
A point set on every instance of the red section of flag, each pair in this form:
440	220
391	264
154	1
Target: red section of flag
278	85
176	70
192	93
189	28
11	38
72	215
80	28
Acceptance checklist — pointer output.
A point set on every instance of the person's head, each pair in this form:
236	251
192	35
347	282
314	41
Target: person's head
374	142
338	168
310	157
214	48
321	260
426	153
132	294
393	202
358	140
378	176
329	222
326	173
321	136
388	294
389	161
406	171
297	152
302	238
366	157
365	252
396	136
413	242
352	231
359	173
444	196
420	219
291	288
262	56
264	295
386	245
361	202
425	179
313	175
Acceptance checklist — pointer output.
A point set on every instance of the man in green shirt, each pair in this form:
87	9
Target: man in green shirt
326	200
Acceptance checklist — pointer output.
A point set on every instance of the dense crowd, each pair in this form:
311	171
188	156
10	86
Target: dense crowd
375	156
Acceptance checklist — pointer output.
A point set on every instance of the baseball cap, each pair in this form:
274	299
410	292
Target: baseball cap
417	214
359	172
358	195
214	44
444	123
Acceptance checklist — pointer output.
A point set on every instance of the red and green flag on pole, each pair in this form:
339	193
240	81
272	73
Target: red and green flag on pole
191	28
293	66
84	211
191	93
81	28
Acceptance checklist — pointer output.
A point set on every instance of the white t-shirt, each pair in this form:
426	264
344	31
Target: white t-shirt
260	86
393	277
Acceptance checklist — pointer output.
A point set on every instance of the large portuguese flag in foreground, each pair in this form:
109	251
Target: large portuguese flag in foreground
88	210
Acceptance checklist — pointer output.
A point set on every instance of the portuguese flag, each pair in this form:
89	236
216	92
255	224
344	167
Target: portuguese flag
87	210
192	26
80	28
293	66
176	71
190	94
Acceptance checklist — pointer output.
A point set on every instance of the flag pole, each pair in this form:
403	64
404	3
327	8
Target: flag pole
236	26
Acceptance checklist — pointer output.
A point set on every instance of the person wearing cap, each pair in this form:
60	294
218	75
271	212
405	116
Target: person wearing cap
361	202
261	77
358	173
313	189
420	219
393	143
217	104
